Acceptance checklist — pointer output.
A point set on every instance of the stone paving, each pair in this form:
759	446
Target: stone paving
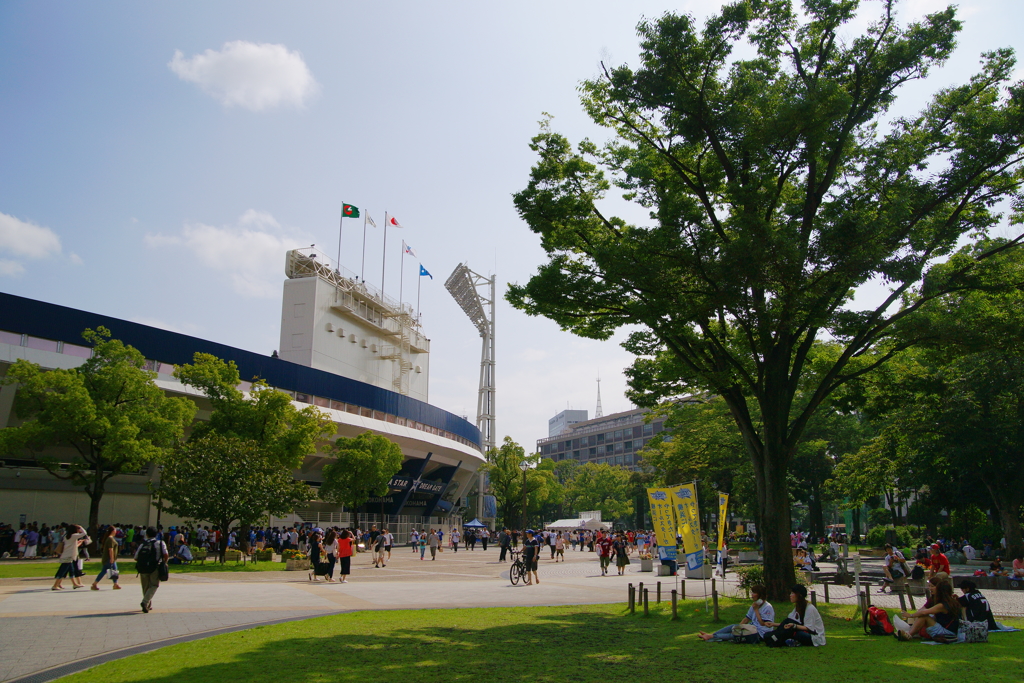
40	628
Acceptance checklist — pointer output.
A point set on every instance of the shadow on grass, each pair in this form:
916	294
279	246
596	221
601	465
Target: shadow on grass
578	644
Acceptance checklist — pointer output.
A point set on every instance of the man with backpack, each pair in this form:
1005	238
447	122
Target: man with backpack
150	562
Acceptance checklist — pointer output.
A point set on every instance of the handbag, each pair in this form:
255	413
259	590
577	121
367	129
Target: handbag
162	571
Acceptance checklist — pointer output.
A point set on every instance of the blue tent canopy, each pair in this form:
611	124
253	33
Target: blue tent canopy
475	524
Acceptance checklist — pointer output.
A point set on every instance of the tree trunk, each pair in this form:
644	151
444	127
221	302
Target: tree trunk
773	504
243	537
854	535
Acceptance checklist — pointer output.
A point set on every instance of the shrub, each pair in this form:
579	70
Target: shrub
906	536
753	575
986	532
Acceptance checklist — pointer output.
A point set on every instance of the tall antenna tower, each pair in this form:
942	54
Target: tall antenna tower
599	412
464	285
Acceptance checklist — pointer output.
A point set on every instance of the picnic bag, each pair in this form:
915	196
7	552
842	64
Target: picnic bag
876	622
972	631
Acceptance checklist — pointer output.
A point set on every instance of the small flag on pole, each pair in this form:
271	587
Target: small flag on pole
408	249
423	271
369	220
349	211
393	222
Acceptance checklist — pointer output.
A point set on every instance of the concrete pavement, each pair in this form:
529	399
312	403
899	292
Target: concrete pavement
41	629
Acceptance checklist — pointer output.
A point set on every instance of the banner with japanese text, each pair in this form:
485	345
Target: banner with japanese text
684	499
664	522
723	507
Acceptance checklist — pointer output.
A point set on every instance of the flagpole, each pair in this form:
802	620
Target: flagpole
401	275
341	223
419	285
362	269
384	257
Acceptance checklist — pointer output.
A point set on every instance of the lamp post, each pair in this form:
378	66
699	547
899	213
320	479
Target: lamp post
524	465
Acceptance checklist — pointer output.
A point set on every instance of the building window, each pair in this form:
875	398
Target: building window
648	430
618	434
658	427
618	447
600	438
628	446
629	459
593	452
583	441
575	443
618	459
575	455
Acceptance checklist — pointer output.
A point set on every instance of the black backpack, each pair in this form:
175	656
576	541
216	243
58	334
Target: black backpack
146	562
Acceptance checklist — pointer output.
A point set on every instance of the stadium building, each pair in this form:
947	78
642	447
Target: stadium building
347	348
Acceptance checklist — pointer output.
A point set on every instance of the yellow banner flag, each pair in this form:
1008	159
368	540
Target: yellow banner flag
723	507
664	522
684	499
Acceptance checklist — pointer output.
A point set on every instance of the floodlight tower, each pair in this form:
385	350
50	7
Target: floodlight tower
464	286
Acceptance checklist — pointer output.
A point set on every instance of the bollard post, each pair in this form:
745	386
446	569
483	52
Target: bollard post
632	599
814	598
675	615
682	589
646	613
826	591
640	591
657	599
714	600
712	584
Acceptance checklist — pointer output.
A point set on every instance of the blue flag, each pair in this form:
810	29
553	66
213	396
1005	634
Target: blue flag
423	271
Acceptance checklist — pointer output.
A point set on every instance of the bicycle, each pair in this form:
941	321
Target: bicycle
518	569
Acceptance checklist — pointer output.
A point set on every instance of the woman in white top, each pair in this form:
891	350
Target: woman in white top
69	558
331	548
803	626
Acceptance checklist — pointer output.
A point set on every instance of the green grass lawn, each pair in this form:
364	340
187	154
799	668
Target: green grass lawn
600	643
37	569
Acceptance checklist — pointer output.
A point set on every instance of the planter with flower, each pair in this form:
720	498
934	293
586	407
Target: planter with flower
295	560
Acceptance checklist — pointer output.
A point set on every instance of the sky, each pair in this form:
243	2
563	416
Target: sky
159	159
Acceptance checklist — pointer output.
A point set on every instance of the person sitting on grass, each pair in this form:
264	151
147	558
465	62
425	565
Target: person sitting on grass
803	626
760	616
976	606
938	620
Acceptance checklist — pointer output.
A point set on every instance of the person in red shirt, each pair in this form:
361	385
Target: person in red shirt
939	562
345	554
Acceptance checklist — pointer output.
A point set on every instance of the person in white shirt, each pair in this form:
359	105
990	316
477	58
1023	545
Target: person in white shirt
389	541
453	537
803	626
414	540
969	551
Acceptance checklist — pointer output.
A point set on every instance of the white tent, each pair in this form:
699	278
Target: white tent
571	524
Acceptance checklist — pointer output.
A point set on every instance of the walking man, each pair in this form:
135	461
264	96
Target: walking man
433	541
148	557
504	541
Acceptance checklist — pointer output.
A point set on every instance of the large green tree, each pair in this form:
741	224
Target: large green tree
363	466
776	185
106	414
505	479
282	433
226	479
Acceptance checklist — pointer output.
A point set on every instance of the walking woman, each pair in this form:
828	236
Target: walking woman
69	557
331	547
108	554
316	555
345	544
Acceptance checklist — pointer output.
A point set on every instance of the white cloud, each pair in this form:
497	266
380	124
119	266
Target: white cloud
251	75
27	239
10	268
250	253
75	258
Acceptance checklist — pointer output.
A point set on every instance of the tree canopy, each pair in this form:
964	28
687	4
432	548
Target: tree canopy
107	415
226	479
775	185
362	468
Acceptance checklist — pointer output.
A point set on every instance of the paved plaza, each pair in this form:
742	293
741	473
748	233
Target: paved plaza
42	629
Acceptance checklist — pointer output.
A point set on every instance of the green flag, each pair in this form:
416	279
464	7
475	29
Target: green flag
349	211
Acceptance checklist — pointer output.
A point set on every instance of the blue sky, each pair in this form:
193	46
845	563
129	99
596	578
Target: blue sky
158	159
